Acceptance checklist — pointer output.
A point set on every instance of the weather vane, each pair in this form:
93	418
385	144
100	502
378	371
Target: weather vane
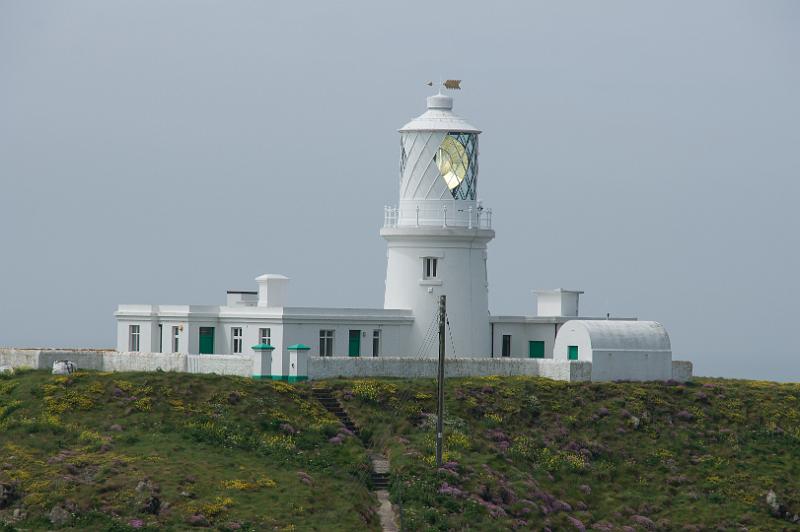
452	84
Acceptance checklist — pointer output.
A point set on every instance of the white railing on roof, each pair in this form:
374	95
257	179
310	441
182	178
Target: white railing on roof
471	218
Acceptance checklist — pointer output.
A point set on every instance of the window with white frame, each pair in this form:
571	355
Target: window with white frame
265	336
134	333
376	342
326	342
236	335
429	267
176	339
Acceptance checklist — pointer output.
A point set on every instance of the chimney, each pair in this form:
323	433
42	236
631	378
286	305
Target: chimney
272	290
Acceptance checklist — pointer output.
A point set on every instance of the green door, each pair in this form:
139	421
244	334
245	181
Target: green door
206	340
536	349
354	348
572	352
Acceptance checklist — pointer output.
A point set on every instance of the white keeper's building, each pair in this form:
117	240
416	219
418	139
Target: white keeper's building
437	238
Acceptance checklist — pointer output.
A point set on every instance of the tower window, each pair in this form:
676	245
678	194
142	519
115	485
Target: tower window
429	265
134	332
236	334
326	342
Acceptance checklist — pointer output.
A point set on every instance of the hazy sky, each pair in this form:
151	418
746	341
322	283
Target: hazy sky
163	152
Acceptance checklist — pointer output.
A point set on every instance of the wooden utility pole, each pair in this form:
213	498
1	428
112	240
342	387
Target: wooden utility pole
440	397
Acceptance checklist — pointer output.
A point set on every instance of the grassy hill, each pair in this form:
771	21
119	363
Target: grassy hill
125	451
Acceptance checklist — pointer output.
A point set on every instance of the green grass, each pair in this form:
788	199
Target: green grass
702	455
523	453
199	443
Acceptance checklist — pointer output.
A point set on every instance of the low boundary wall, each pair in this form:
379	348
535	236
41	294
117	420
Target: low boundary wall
318	367
330	367
124	361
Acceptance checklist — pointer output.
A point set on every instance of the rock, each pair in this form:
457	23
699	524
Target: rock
115	427
772	502
147	486
151	505
189	479
8	494
6	370
602	411
188	495
64	367
234	398
59	516
336	440
684	415
136	523
197	520
287	429
585	488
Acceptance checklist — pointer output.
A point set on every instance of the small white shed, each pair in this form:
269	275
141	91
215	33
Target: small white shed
617	349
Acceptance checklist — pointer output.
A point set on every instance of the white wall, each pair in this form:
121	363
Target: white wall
393	337
618	350
557	302
325	367
318	367
461	272
521	334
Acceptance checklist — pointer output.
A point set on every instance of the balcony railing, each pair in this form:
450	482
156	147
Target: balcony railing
444	216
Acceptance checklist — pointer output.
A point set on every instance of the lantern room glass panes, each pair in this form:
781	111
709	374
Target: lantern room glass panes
457	161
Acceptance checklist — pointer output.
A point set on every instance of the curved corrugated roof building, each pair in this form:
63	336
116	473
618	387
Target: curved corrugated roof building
617	349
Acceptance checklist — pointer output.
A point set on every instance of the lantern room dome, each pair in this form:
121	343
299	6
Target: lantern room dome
439	117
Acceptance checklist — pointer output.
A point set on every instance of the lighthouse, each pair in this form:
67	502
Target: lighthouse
438	232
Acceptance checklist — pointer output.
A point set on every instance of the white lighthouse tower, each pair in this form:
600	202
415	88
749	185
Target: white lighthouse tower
437	235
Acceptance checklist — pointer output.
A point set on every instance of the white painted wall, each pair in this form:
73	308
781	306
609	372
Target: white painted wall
323	368
461	276
557	302
618	350
393	337
522	333
318	368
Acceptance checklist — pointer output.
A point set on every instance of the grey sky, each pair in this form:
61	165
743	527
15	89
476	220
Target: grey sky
163	152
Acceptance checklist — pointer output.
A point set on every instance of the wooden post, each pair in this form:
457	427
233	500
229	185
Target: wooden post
440	398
